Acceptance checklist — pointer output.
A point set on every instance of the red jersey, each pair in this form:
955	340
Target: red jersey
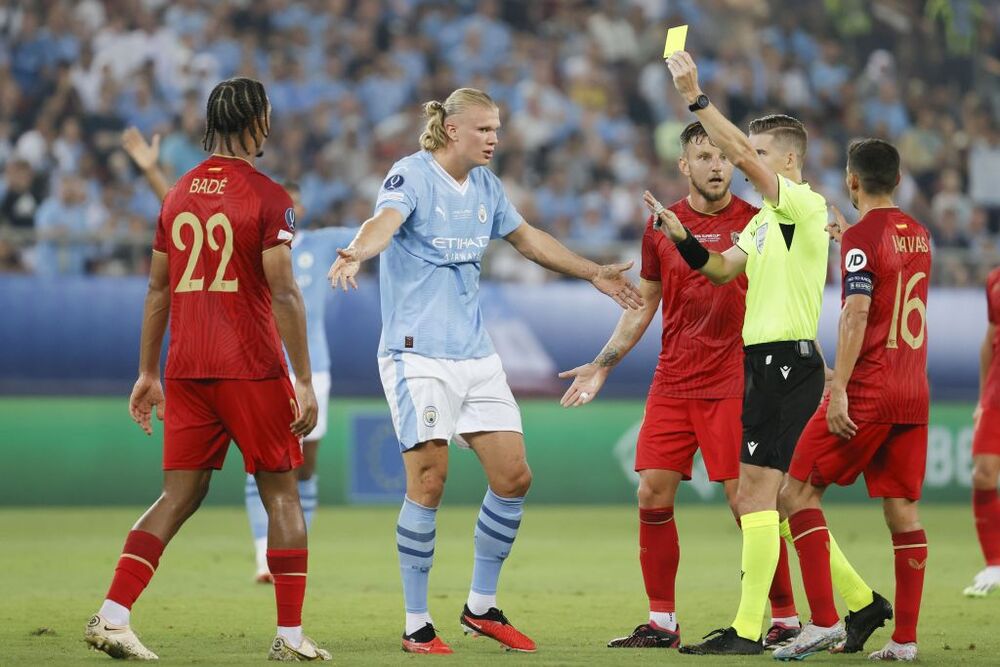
887	256
215	223
701	354
991	391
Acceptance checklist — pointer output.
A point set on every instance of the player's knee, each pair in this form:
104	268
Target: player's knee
651	496
984	477
514	484
901	517
430	486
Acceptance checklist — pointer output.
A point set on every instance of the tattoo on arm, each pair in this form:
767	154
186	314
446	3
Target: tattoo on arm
609	356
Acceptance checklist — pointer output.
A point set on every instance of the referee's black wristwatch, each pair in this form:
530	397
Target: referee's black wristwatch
700	102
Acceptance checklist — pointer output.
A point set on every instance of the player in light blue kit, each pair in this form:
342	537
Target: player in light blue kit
437	211
313	250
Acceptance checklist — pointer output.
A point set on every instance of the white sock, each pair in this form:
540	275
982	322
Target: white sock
787	621
479	603
665	620
115	613
992	571
291	635
416	621
260	547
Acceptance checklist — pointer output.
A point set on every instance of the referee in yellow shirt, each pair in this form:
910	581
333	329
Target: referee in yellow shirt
783	251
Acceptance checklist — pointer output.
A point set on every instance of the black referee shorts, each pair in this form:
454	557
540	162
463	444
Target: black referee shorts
783	385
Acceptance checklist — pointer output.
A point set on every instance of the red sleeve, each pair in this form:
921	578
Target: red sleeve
650	269
277	214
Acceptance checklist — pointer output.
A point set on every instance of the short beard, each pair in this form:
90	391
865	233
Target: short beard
709	196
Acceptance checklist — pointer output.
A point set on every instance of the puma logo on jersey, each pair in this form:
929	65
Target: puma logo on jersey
785	370
752	446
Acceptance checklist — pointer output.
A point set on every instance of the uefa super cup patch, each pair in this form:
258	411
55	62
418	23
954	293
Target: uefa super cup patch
290	218
394	182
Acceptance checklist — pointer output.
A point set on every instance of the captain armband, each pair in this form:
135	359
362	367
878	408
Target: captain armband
859	282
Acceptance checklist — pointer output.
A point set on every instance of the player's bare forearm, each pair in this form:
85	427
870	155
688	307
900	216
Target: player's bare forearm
851	334
157	181
631	326
543	249
288	308
375	234
156	313
289	313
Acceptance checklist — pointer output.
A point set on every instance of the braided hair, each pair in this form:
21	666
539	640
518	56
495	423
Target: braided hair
236	105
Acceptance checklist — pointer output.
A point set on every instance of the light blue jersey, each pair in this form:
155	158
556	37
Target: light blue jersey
313	251
429	274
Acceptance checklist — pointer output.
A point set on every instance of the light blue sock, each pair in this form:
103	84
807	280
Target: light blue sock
255	510
415	543
499	519
308	496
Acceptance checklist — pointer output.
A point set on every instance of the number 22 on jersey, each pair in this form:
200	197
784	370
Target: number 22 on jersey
187	283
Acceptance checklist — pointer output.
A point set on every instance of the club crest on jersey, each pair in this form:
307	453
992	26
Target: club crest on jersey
482	213
760	237
394	182
855	260
430	415
290	218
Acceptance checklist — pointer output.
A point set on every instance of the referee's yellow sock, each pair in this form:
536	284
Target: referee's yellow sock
856	593
760	559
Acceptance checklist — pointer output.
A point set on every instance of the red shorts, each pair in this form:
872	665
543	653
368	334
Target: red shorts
893	457
202	416
674	428
986	439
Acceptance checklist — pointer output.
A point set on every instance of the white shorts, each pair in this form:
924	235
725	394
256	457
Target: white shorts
441	399
321	387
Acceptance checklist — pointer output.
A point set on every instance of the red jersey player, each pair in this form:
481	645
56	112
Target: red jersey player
875	420
986	449
696	396
221	270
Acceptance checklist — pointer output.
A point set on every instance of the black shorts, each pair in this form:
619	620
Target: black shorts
783	385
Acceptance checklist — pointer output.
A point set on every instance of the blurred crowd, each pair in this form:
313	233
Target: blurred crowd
590	117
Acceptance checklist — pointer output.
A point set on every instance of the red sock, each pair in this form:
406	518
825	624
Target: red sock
288	567
812	543
659	555
781	595
136	565
986	508
911	559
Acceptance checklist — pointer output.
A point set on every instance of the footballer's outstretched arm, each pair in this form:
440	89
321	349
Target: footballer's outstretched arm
721	131
542	249
373	237
720	268
850	335
589	378
289	313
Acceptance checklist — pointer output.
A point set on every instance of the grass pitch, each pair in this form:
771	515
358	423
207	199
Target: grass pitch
572	583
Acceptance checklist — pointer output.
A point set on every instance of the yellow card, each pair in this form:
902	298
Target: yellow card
676	37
